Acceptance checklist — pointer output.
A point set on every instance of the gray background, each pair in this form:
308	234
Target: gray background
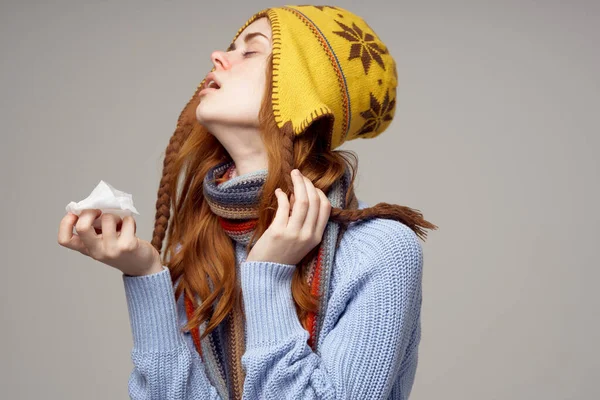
495	140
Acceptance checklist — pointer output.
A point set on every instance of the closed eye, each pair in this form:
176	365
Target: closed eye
245	53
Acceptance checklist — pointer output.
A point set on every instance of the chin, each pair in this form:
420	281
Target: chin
211	116
203	114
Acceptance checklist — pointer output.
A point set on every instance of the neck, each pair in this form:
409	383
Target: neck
245	166
245	147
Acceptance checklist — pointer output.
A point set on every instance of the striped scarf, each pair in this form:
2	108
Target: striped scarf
235	202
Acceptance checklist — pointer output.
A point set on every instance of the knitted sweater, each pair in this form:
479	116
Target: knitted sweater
370	335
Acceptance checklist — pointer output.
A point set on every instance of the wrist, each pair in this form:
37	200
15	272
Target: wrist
154	269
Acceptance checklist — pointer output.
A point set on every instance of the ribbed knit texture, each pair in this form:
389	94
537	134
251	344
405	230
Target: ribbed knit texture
368	347
235	201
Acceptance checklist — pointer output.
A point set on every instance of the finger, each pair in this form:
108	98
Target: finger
65	228
300	204
66	237
85	229
128	228
98	226
77	244
283	210
313	206
324	212
109	231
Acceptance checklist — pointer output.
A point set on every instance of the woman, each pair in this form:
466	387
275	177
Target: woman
258	296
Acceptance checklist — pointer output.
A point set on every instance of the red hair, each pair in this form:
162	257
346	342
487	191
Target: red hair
207	253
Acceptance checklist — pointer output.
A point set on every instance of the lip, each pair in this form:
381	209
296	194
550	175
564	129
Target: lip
211	77
206	90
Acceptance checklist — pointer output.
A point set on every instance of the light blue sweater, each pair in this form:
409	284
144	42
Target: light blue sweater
370	334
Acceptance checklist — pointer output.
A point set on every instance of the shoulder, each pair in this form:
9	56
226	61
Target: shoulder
380	246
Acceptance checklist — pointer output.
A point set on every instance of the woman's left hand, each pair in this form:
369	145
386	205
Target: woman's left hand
290	237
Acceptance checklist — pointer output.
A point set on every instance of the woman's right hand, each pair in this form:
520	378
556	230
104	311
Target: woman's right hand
119	249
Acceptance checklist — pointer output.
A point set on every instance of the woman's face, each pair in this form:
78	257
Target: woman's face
240	74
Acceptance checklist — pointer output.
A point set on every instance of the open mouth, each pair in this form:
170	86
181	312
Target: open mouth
212	85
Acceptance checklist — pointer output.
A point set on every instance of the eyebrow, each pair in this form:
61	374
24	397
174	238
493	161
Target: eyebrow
247	38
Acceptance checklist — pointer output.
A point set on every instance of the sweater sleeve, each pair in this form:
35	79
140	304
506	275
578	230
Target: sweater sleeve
373	343
164	365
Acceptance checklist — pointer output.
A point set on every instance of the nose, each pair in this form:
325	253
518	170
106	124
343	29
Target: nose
219	59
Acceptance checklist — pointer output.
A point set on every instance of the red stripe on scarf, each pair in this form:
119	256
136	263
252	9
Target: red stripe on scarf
311	317
237	227
189	310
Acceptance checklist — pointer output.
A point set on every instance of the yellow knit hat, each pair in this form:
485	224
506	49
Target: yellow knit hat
327	60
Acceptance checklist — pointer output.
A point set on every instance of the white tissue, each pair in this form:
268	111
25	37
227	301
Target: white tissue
107	199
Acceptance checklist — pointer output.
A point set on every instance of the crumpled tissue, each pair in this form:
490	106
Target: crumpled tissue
107	199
